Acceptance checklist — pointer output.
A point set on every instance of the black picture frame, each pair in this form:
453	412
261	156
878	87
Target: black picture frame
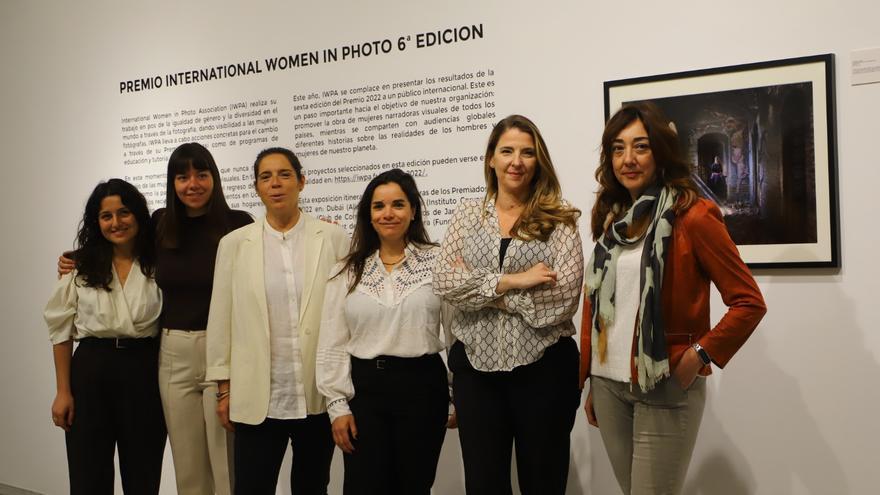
771	126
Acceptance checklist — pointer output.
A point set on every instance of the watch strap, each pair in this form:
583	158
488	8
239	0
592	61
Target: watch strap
704	356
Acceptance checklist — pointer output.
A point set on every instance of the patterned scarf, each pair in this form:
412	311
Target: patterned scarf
654	204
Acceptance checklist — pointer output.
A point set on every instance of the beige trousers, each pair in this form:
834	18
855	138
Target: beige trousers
649	436
200	447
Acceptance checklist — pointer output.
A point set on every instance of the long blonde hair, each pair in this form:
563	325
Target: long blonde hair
544	209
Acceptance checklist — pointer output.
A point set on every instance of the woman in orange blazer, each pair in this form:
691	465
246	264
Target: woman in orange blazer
646	339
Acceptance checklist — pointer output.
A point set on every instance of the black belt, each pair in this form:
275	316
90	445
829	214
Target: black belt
118	343
396	362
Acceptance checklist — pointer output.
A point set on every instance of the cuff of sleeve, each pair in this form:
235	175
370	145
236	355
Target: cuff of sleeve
337	408
717	357
521	304
60	338
487	288
217	373
513	302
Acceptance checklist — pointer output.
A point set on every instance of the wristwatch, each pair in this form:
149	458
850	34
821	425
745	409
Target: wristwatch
704	356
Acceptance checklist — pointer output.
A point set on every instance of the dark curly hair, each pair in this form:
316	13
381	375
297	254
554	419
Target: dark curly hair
94	253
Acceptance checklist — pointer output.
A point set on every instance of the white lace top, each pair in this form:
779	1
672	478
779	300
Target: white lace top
388	314
534	319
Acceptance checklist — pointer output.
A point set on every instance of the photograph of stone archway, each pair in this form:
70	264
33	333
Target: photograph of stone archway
752	153
760	139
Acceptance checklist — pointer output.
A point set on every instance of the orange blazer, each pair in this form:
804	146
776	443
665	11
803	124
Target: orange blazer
700	251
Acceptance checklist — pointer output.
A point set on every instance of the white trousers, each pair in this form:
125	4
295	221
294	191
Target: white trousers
200	447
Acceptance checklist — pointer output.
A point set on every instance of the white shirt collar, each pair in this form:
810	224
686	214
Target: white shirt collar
281	236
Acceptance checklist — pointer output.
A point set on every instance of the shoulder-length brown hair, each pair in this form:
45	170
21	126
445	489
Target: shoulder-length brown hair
544	208
672	169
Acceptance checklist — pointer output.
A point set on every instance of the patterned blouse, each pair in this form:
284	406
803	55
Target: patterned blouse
534	319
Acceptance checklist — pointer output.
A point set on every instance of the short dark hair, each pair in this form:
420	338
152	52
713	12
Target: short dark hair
94	253
291	157
365	241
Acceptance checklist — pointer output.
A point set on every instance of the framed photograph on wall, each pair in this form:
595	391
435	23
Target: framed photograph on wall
761	141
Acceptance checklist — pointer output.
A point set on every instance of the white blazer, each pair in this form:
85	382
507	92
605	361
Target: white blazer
238	320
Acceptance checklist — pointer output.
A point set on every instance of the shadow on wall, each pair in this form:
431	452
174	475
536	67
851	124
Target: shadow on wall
768	408
718	467
450	470
580	449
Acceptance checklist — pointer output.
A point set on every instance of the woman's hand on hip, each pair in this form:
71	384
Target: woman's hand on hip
344	430
688	368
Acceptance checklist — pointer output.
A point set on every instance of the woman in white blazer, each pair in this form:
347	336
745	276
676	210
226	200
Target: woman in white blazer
263	329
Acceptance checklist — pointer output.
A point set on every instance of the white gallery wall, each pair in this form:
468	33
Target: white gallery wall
796	411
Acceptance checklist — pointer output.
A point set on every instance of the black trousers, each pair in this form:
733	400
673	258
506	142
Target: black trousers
259	451
532	406
400	408
116	407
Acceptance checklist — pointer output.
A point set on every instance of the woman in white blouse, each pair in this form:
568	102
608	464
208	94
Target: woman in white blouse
378	356
107	391
511	264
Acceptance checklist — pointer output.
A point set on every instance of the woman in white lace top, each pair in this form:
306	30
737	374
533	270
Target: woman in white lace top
511	264
378	355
